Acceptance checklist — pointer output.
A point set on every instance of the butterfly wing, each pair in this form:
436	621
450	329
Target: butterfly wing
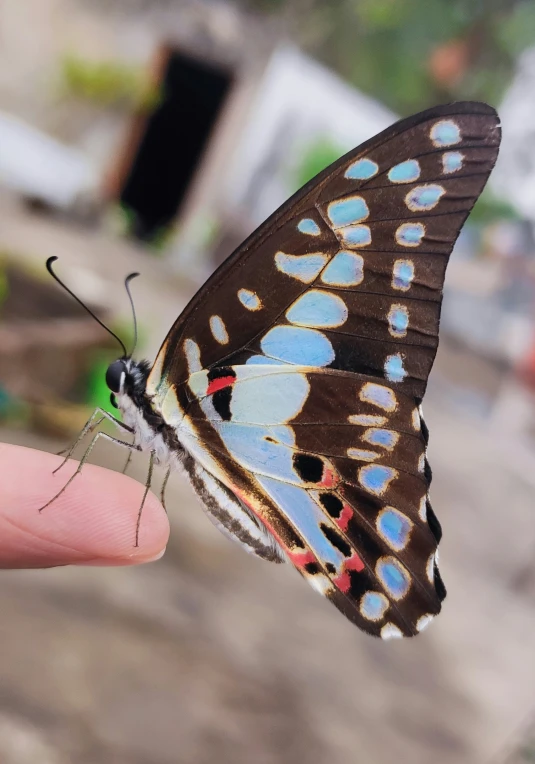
335	303
333	465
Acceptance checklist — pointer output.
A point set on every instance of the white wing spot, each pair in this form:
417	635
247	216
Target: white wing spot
423	622
362	455
193	356
430	569
389	631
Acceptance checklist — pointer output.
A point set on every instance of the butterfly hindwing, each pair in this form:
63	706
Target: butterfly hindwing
294	376
348	507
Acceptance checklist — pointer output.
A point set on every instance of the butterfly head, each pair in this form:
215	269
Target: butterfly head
126	379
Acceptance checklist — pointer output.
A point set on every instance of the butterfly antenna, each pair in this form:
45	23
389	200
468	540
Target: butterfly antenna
127	281
84	306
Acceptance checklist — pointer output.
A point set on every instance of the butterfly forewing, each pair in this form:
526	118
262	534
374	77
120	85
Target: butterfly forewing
295	375
387	235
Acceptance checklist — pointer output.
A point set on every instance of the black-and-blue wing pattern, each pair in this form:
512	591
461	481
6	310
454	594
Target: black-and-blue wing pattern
296	373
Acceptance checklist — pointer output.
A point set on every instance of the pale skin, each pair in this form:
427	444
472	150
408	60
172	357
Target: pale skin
92	523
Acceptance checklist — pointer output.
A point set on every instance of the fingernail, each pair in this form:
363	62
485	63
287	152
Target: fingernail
156	556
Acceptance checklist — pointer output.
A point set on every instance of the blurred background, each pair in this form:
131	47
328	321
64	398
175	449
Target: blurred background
154	135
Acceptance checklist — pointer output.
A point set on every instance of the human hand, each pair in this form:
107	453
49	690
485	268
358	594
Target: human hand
92	523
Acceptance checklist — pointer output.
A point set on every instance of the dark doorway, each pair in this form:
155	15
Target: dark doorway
172	142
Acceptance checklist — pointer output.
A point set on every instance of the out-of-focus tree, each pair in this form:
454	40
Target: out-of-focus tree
410	53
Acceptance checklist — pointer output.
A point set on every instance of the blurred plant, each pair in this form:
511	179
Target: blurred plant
13	411
97	391
412	53
108	83
318	155
488	209
4	284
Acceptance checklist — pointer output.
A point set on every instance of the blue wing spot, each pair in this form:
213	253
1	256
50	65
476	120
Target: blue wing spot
373	606
410	234
445	133
394	528
282	396
305	268
405	172
305	514
253	448
402	275
384	438
398	320
309	226
261	360
376	478
249	300
379	396
452	161
362	169
424	198
356	235
283	434
345	269
394	369
219	330
347	211
394	577
318	309
293	344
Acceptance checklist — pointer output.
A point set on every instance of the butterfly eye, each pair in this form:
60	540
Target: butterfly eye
113	401
115	375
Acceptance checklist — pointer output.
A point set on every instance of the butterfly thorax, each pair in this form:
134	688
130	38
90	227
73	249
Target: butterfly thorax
127	380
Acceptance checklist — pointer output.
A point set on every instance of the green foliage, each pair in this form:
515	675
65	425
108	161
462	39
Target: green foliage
528	753
387	47
97	391
107	83
515	30
4	285
488	209
318	155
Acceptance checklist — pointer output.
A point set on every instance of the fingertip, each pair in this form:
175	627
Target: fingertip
92	523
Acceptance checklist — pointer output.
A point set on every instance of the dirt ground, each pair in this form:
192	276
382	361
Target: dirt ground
211	656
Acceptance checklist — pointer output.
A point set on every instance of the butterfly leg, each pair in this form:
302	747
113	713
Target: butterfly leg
147	488
128	460
84	459
164	486
89	426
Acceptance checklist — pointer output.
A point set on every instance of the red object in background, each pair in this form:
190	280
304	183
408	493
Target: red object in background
526	369
448	63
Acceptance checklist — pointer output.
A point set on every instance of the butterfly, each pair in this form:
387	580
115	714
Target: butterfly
289	390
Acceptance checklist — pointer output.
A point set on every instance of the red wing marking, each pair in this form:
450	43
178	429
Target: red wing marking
343	581
219	383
